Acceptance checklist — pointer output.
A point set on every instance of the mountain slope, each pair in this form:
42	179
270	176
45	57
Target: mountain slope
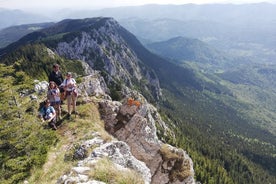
186	49
220	68
205	109
13	33
92	32
253	94
224	144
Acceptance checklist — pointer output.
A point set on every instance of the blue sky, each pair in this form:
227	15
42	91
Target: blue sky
95	4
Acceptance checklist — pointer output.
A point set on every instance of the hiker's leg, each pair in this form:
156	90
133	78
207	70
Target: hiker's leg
69	101
62	94
59	111
74	100
52	124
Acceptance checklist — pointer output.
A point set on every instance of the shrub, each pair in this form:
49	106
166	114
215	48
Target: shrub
181	168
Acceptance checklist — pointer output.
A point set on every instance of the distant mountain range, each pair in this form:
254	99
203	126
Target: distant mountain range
14	33
246	30
18	17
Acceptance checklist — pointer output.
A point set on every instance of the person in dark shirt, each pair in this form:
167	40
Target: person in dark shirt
56	75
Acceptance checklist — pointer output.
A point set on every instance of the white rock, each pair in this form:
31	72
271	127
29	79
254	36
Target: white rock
81	170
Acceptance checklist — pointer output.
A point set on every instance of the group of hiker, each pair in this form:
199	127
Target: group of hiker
59	89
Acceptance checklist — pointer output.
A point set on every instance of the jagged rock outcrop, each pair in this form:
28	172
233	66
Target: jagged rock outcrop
41	87
117	151
94	84
136	127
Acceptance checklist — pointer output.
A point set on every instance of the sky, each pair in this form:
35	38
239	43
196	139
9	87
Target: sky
98	4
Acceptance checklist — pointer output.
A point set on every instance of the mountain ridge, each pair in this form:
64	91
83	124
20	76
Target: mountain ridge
13	33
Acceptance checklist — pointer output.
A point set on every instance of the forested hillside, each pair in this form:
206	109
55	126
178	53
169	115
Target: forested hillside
243	115
204	108
250	84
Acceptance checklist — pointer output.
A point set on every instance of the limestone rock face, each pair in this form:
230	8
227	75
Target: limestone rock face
103	48
94	84
117	151
41	87
136	127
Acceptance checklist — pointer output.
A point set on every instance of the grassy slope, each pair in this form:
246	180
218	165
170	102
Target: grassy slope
69	133
47	153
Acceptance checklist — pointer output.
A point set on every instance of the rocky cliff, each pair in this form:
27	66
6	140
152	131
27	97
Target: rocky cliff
135	145
137	127
102	46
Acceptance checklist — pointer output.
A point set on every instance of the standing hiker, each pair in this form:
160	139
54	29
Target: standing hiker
70	88
57	77
53	95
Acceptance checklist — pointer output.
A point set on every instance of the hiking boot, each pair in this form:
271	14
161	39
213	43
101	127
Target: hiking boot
69	116
54	127
74	112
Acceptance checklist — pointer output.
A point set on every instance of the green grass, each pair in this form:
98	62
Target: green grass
107	172
69	133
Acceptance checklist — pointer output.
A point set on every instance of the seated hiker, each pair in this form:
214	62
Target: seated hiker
47	113
53	95
70	88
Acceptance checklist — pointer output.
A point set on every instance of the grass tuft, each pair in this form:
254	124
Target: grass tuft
108	172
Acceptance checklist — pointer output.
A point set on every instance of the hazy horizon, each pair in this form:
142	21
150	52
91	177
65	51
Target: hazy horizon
41	6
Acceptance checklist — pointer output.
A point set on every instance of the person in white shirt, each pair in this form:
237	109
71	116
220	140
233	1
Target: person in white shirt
70	88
